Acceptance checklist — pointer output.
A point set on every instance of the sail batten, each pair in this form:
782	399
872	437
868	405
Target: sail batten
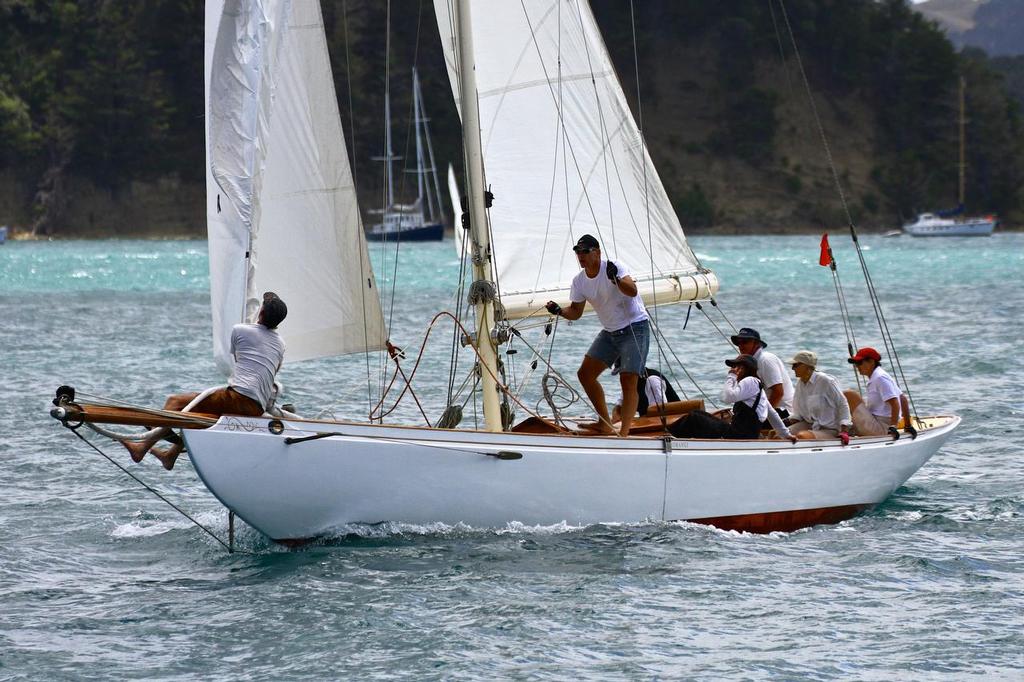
562	152
282	208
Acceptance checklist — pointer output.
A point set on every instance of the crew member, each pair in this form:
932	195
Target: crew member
750	408
258	351
820	409
770	369
610	290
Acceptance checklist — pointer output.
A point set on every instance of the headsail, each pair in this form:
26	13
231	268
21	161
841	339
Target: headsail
281	204
564	157
453	195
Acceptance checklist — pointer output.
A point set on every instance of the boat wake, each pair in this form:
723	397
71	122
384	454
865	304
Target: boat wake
146	526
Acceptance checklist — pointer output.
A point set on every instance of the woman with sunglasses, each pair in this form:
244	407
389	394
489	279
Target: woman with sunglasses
878	412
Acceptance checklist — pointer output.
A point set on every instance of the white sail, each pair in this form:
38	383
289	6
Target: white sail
453	195
281	203
564	157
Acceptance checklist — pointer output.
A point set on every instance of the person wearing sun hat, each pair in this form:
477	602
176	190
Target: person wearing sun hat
625	335
771	371
750	408
878	412
820	409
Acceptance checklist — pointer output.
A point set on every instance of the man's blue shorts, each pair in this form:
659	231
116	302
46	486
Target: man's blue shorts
627	345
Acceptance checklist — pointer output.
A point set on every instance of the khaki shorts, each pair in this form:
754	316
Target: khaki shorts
867	424
819	434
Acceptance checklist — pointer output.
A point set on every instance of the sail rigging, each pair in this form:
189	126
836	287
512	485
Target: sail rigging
273	109
563	156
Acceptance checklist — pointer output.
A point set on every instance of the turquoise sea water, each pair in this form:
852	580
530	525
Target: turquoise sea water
99	579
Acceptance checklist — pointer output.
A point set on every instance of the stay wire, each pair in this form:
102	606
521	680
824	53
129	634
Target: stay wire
459	295
643	159
717	328
572	152
381	364
602	126
872	292
844	310
361	237
683	367
155	492
714	304
554	164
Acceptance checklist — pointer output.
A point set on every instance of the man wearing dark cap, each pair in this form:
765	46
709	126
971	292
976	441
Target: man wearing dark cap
777	384
878	412
750	408
258	351
610	290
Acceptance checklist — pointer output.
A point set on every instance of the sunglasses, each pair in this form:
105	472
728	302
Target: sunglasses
581	250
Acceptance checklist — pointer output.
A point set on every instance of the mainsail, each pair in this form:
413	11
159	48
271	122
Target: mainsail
564	157
281	204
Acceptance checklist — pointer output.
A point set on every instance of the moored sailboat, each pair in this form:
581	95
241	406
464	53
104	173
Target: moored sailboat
421	220
953	223
294	478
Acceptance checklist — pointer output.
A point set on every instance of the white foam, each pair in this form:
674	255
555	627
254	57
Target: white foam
146	527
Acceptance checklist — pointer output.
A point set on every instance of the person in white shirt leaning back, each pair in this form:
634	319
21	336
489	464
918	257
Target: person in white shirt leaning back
878	412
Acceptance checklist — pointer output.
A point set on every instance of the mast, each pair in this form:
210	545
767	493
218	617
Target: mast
434	216
478	232
419	140
389	154
963	156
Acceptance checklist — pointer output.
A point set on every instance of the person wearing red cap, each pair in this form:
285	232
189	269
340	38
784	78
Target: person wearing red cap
878	412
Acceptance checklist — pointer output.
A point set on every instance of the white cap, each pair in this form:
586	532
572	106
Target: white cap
805	357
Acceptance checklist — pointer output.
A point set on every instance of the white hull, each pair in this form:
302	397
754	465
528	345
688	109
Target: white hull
940	227
372	473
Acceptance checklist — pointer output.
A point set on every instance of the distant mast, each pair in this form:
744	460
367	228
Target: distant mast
963	128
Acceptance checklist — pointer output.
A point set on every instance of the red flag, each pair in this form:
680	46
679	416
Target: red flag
826	252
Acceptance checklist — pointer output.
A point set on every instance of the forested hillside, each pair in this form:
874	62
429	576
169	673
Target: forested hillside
101	110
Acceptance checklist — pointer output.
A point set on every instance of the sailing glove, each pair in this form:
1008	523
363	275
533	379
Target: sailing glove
612	270
553	308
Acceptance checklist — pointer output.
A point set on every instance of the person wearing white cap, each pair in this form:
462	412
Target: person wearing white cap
820	410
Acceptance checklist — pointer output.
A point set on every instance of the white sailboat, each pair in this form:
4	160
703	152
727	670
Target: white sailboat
537	76
421	220
951	223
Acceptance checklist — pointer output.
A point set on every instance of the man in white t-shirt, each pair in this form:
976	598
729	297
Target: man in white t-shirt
258	351
625	335
878	412
770	370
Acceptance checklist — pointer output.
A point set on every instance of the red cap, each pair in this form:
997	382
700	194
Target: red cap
866	353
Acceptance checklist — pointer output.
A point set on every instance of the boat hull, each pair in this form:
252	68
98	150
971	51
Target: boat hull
371	473
949	228
426	233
